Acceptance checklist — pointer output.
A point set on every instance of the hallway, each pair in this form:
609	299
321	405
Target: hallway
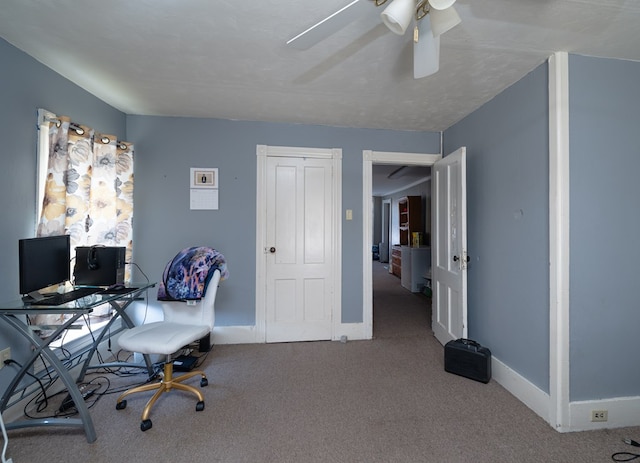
396	311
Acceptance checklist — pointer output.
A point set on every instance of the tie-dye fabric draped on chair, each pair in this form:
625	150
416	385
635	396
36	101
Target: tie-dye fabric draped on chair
187	275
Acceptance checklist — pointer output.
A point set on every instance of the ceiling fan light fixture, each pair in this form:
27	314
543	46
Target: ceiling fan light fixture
441	4
398	15
444	20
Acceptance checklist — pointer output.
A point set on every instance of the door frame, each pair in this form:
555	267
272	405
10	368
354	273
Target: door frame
262	153
370	157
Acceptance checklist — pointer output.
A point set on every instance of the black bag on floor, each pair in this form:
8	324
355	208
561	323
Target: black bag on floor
468	358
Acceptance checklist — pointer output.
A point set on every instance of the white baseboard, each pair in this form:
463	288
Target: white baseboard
235	335
249	334
621	411
524	390
352	331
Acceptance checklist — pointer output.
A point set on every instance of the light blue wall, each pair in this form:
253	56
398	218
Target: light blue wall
508	227
167	147
604	118
507	188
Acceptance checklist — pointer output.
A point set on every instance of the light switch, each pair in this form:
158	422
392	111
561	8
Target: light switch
349	214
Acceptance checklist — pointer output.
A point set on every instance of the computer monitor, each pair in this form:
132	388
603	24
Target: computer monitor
43	261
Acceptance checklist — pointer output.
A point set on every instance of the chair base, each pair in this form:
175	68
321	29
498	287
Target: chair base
167	383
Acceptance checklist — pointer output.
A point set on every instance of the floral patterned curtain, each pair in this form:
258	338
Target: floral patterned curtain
89	187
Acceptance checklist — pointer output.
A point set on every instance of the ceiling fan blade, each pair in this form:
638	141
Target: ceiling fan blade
444	20
441	4
329	25
426	50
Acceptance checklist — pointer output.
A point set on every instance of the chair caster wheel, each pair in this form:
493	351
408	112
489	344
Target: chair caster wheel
121	405
204	382
145	425
200	406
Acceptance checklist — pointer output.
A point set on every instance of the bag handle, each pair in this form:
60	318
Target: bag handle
470	342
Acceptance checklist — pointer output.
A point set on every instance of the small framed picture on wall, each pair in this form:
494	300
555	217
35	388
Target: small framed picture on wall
204	178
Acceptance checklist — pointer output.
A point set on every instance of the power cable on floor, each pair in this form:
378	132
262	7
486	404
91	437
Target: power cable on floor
627	456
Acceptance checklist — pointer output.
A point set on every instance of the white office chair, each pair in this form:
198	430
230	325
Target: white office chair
183	324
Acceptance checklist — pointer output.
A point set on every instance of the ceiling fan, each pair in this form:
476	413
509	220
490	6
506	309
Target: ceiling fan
431	18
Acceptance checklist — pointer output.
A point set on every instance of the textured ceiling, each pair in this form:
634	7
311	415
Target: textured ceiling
228	59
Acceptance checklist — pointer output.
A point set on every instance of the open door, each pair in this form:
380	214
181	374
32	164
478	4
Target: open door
449	259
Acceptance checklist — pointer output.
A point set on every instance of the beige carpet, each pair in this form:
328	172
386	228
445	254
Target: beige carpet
385	400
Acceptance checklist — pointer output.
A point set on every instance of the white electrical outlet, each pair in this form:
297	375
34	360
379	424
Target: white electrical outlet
5	354
599	415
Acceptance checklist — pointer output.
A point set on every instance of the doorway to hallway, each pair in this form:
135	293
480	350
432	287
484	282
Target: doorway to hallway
370	158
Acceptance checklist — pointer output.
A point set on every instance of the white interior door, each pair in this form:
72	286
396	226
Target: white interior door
299	242
449	259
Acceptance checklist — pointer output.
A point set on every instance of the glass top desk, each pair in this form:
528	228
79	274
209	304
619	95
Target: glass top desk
10	313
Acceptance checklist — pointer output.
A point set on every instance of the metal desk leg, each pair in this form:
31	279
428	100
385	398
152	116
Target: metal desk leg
42	348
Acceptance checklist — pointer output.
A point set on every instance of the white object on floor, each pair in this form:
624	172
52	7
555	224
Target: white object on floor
6	442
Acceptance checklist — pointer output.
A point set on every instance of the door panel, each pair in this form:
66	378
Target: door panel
315	229
299	226
314	299
284	213
284	300
449	266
